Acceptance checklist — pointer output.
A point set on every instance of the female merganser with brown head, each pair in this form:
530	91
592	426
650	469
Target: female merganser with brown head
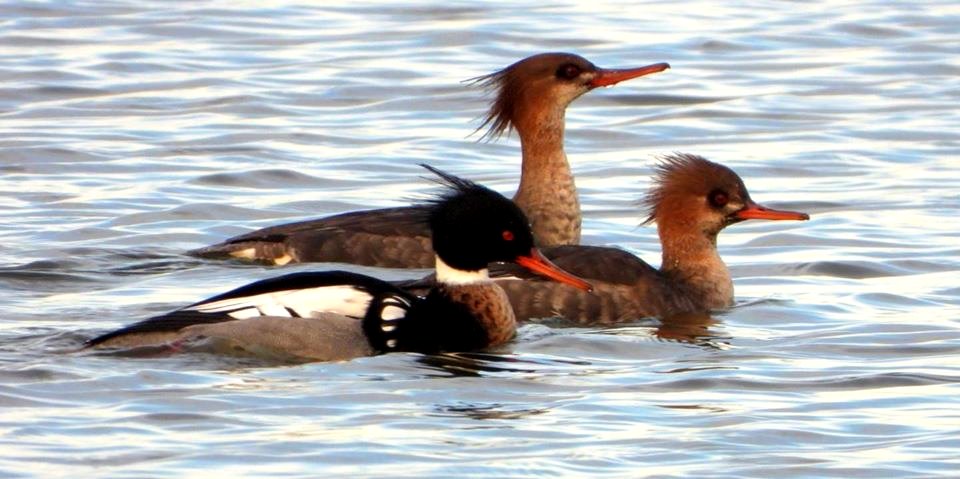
692	200
338	315
531	96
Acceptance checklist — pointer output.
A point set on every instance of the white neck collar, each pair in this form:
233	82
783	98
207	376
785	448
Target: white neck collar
449	275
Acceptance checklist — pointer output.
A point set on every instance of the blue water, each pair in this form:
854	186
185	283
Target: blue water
133	131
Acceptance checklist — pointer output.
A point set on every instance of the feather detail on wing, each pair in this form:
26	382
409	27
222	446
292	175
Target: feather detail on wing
401	221
598	263
296	295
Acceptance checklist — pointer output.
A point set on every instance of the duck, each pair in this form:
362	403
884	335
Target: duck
531	97
691	201
341	315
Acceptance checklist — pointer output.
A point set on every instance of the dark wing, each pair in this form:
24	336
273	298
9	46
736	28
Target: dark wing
384	222
301	295
600	263
292	295
621	284
168	323
390	237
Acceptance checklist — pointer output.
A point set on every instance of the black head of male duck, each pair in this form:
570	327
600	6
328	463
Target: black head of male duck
339	315
530	96
692	200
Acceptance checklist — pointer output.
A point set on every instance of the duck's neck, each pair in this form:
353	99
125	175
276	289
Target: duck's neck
691	260
547	193
486	301
447	274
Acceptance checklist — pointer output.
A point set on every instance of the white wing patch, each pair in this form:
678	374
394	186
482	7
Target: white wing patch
305	303
393	312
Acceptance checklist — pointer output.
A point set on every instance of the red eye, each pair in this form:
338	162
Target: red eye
507	235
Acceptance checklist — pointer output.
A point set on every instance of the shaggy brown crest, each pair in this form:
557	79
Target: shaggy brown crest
509	87
683	174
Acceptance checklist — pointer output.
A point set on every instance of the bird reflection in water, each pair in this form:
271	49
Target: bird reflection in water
486	411
693	328
485	364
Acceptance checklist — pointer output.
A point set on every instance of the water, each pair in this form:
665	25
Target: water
133	131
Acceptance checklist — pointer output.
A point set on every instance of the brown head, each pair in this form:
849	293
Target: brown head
692	194
543	85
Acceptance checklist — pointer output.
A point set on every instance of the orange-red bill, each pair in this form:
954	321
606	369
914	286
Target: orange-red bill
611	77
539	264
754	211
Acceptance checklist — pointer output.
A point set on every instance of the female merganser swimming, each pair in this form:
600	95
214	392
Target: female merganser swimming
338	315
691	201
531	96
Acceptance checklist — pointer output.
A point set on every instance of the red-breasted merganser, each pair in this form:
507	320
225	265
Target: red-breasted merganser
531	96
692	200
338	315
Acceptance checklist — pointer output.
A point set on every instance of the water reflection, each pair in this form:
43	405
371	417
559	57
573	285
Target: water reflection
481	364
134	131
487	411
693	328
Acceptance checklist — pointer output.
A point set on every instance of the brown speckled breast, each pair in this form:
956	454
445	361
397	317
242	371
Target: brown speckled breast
491	307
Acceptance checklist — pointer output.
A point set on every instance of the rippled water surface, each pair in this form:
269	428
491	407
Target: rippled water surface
133	131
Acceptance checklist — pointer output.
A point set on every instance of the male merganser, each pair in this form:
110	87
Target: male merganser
531	96
338	315
692	200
